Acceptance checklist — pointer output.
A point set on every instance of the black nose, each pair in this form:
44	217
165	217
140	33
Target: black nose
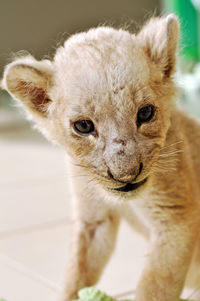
110	175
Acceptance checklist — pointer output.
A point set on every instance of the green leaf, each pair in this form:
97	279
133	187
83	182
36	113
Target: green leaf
94	294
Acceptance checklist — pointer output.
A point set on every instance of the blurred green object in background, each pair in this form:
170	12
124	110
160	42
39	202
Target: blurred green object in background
188	75
94	294
189	16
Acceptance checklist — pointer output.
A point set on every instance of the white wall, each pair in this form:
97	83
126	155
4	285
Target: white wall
38	25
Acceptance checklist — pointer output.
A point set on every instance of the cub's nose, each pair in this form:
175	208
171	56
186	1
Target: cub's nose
128	178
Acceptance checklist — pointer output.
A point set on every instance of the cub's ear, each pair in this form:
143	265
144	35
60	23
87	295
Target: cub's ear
159	39
29	81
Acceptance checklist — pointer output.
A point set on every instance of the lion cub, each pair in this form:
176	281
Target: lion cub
108	99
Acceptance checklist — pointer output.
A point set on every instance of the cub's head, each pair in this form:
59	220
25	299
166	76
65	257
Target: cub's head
106	98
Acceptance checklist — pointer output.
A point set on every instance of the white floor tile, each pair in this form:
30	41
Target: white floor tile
29	161
33	185
45	252
32	203
17	287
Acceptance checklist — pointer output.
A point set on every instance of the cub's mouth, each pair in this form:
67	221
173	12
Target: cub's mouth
130	187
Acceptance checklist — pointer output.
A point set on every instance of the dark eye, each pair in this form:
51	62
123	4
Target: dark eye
145	114
84	127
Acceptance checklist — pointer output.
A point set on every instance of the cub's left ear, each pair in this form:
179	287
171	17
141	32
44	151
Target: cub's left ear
159	39
29	81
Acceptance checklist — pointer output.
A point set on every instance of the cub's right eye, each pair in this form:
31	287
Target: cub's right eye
84	127
145	114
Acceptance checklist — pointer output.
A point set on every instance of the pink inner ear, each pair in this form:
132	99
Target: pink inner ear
36	96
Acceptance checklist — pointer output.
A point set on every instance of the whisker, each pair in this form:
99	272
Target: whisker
88	169
171	153
165	164
170	157
172	144
78	176
79	165
159	169
168	168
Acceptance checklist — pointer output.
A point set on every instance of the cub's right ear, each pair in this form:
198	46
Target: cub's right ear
29	81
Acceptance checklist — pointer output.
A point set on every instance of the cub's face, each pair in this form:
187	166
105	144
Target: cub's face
106	98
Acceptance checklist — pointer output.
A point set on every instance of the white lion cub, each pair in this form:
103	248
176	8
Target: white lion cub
108	99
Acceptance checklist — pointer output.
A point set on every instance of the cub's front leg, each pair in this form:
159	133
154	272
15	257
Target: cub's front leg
168	262
92	245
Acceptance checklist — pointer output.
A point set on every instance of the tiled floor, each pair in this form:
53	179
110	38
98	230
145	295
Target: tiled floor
35	222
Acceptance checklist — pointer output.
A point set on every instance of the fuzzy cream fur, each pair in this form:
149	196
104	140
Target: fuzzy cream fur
106	76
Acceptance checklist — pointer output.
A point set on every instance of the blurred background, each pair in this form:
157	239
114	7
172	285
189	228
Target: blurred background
35	211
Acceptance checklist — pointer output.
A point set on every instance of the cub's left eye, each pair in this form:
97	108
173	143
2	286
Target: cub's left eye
145	114
84	127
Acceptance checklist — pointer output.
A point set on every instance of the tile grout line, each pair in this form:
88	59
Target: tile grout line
27	229
17	266
124	294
